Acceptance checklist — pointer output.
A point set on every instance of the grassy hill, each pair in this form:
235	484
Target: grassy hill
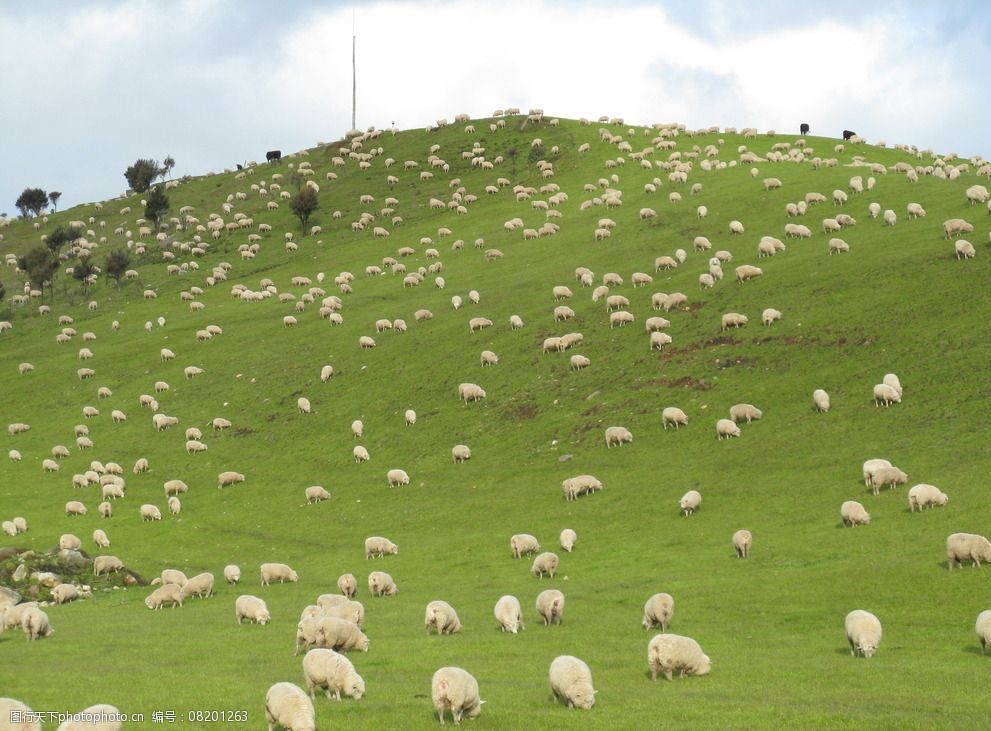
772	624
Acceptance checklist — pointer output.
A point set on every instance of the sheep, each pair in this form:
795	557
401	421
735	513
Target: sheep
287	705
348	585
820	401
690	502
892	380
577	362
617	436
381	584
735	227
478	323
674	416
567	539
455	690
550	606
964	249
961	546
50	465
726	428
10	709
66	593
324	668
150	512
870	466
14	455
838	246
956	226
745	412
460	453
887	476
926	496
863	633
615	302
574	487
357	428
746	272
523	544
733	319
100	538
35	623
377	547
658	611
544	563
366	343
853	513
249	607
232	573
770	316
397	477
226	479
162	422
106	565
315	494
271	571
165	593
441	616
9	529
669	653
515	322
619	319
983	629
571	680
470	392
174	487
175	505
200	585
509	614
886	395
561	292
192	371
74	507
742	540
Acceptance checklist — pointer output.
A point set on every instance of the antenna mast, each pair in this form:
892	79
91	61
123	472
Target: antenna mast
354	73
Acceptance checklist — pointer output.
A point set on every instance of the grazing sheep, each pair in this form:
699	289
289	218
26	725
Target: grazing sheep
983	629
65	593
550	606
733	319
674	416
577	362
954	226
200	585
871	465
175	487
173	576
523	544
287	705
886	395
658	611
770	316
381	584
470	392
106	565
250	607
742	541
863	632
568	539
74	507
455	690
571	680
745	412
509	614
621	318
441	616
964	249
515	322
35	623
348	585
962	546
377	547
9	708
397	477
225	479
324	668
820	400
336	633
99	538
574	487
746	272
690	502
357	428
887	476
232	573
360	454
669	653
926	496
165	593
460	453
726	428
277	571
150	512
853	513
618	435
544	563
303	405
315	494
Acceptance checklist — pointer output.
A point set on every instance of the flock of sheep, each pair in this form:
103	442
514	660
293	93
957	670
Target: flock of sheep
333	625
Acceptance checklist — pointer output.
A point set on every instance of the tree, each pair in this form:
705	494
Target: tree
32	200
513	153
168	163
142	174
157	205
3	291
82	272
53	198
304	203
116	264
40	265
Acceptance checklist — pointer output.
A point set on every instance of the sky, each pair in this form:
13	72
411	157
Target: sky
88	87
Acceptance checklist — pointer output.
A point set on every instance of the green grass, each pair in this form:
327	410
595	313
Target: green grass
773	625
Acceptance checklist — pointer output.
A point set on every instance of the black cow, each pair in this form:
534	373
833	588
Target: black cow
803	128
240	166
847	134
273	155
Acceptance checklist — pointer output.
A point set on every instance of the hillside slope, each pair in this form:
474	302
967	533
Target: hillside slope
899	302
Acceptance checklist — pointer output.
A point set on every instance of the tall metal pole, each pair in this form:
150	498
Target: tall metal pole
354	75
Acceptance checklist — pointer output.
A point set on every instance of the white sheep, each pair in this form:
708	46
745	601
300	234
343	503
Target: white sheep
926	496
733	319
377	547
166	593
668	654
441	617
962	546
726	428
658	611
567	539
544	563
887	476
332	671
550	606
618	436
742	540
99	538
983	629
674	416
397	477
863	632
287	705
690	502
853	513
571	680
35	623
964	249
200	585
954	226
10	708
509	614
348	585
820	400
225	479
106	565
232	573
360	454
315	494
277	571
251	608
381	584
886	395
456	690
870	466
357	428
150	512
523	544
470	392
574	487
745	412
